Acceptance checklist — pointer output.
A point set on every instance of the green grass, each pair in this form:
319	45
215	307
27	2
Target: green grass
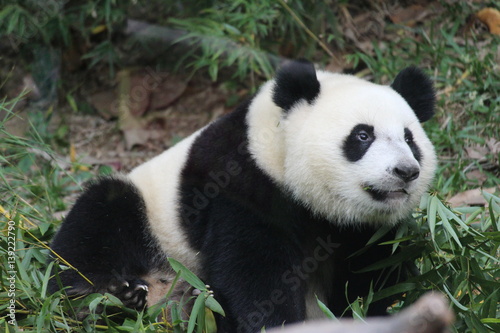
457	250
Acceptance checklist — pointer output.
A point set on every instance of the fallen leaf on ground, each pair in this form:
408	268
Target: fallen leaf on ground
471	197
103	102
490	17
409	16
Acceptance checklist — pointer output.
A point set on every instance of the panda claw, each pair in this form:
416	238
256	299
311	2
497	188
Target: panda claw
118	287
112	289
133	293
128	295
141	286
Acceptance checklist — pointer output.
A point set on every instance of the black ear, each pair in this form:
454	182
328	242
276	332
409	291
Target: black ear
295	80
418	91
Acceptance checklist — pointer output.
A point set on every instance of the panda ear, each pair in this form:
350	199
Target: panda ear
418	91
295	81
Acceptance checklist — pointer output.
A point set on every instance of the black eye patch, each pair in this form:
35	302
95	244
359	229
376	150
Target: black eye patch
356	144
413	146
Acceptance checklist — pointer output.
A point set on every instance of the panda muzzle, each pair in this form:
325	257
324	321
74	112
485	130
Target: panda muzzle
382	195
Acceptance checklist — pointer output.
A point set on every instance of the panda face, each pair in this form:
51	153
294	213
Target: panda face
350	150
357	153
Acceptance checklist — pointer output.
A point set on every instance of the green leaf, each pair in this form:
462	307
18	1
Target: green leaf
210	325
431	215
186	274
492	235
490	320
446	224
72	103
213	70
408	253
329	314
112	299
6	12
95	302
44	227
399	240
394	290
454	300
381	232
213	305
199	305
493	207
46	278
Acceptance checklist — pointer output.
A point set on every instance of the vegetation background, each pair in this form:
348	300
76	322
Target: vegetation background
95	86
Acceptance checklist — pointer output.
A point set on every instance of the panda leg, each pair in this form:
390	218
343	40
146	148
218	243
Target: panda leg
105	237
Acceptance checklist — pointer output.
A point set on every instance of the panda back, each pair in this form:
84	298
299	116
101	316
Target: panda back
158	181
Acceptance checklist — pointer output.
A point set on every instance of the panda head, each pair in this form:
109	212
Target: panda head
350	150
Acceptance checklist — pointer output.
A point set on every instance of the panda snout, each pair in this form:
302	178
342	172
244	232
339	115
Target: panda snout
407	173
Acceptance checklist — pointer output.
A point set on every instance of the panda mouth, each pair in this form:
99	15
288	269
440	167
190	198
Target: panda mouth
383	195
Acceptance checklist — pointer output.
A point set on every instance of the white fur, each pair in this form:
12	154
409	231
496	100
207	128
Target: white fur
303	151
158	180
265	133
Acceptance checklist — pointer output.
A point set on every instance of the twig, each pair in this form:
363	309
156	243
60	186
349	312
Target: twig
306	29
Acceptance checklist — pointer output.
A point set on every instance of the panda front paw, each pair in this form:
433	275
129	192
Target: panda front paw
132	293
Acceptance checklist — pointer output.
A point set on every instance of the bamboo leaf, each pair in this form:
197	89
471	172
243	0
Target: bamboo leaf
329	314
454	300
394	290
490	320
408	253
213	305
186	274
446	224
199	305
431	216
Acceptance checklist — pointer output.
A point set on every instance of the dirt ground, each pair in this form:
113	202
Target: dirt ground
125	119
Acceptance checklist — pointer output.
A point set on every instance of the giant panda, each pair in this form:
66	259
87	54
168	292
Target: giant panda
272	205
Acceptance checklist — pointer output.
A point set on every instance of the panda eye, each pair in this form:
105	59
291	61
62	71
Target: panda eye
408	136
363	136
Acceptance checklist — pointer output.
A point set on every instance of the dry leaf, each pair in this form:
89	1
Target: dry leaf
409	16
167	92
471	197
139	94
103	102
490	17
493	145
477	175
477	152
145	90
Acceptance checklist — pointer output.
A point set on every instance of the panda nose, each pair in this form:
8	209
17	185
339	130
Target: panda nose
407	173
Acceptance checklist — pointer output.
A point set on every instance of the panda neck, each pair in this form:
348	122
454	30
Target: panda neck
266	135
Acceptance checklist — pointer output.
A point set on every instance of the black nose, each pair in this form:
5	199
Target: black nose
407	173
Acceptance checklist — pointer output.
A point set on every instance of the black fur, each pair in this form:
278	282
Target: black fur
105	236
355	145
255	240
295	81
418	91
260	249
413	145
